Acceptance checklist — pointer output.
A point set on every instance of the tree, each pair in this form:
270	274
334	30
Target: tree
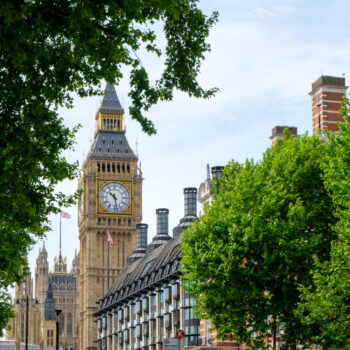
246	258
326	303
51	49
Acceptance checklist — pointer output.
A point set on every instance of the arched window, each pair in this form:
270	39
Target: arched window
61	323
69	325
128	168
123	168
118	124
108	167
118	168
115	124
103	167
98	167
107	123
104	123
113	168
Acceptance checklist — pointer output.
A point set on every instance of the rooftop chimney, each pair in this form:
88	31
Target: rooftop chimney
190	201
190	194
141	244
277	133
162	235
162	221
327	94
141	235
216	171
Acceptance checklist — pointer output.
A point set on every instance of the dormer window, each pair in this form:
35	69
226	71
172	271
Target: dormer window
118	150
121	142
107	149
103	141
126	151
112	141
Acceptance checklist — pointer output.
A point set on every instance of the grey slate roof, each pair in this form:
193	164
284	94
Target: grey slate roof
107	143
110	101
159	265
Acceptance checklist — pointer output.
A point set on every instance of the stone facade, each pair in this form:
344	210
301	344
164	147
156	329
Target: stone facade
147	304
111	201
55	289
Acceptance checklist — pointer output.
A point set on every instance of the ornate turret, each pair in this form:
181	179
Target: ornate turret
41	275
60	263
110	140
75	263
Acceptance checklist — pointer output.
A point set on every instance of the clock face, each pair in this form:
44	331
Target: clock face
114	197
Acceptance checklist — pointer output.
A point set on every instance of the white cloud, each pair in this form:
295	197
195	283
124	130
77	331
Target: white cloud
264	69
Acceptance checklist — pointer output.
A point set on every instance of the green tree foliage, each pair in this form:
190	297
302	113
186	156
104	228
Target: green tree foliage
326	305
51	49
257	242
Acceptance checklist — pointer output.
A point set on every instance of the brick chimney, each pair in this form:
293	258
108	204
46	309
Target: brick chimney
327	93
277	133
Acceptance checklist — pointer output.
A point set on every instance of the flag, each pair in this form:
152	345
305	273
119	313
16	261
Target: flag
65	215
110	240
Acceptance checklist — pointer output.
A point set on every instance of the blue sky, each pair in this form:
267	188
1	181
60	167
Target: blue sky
265	55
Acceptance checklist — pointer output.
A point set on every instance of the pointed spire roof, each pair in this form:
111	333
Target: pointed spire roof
110	100
44	248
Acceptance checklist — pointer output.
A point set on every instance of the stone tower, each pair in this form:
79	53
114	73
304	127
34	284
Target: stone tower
25	305
41	275
111	200
327	93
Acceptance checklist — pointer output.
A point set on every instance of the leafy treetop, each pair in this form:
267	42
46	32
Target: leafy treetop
51	49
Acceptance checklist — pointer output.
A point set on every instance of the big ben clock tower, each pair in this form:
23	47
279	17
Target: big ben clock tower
111	200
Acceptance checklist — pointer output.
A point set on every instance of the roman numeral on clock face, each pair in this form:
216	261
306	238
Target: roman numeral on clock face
114	197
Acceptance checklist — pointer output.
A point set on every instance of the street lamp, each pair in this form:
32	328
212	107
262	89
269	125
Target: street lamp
18	302
57	312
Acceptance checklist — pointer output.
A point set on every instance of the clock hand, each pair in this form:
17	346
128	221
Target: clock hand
114	197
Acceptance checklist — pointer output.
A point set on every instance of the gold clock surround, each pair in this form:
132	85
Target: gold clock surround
101	210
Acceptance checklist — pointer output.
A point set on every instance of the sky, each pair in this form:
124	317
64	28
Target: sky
265	55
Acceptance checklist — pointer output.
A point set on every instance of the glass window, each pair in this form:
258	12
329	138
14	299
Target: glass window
69	325
61	323
167	293
175	290
120	316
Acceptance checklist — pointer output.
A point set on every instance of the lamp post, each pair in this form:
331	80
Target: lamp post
19	302
27	302
57	312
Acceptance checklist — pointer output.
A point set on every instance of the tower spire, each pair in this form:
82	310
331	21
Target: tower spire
110	115
110	100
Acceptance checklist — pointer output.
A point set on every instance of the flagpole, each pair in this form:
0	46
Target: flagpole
108	263
60	230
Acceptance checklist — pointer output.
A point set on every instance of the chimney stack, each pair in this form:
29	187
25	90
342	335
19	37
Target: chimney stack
141	235
216	171
277	133
190	194
326	95
162	221
162	235
141	244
